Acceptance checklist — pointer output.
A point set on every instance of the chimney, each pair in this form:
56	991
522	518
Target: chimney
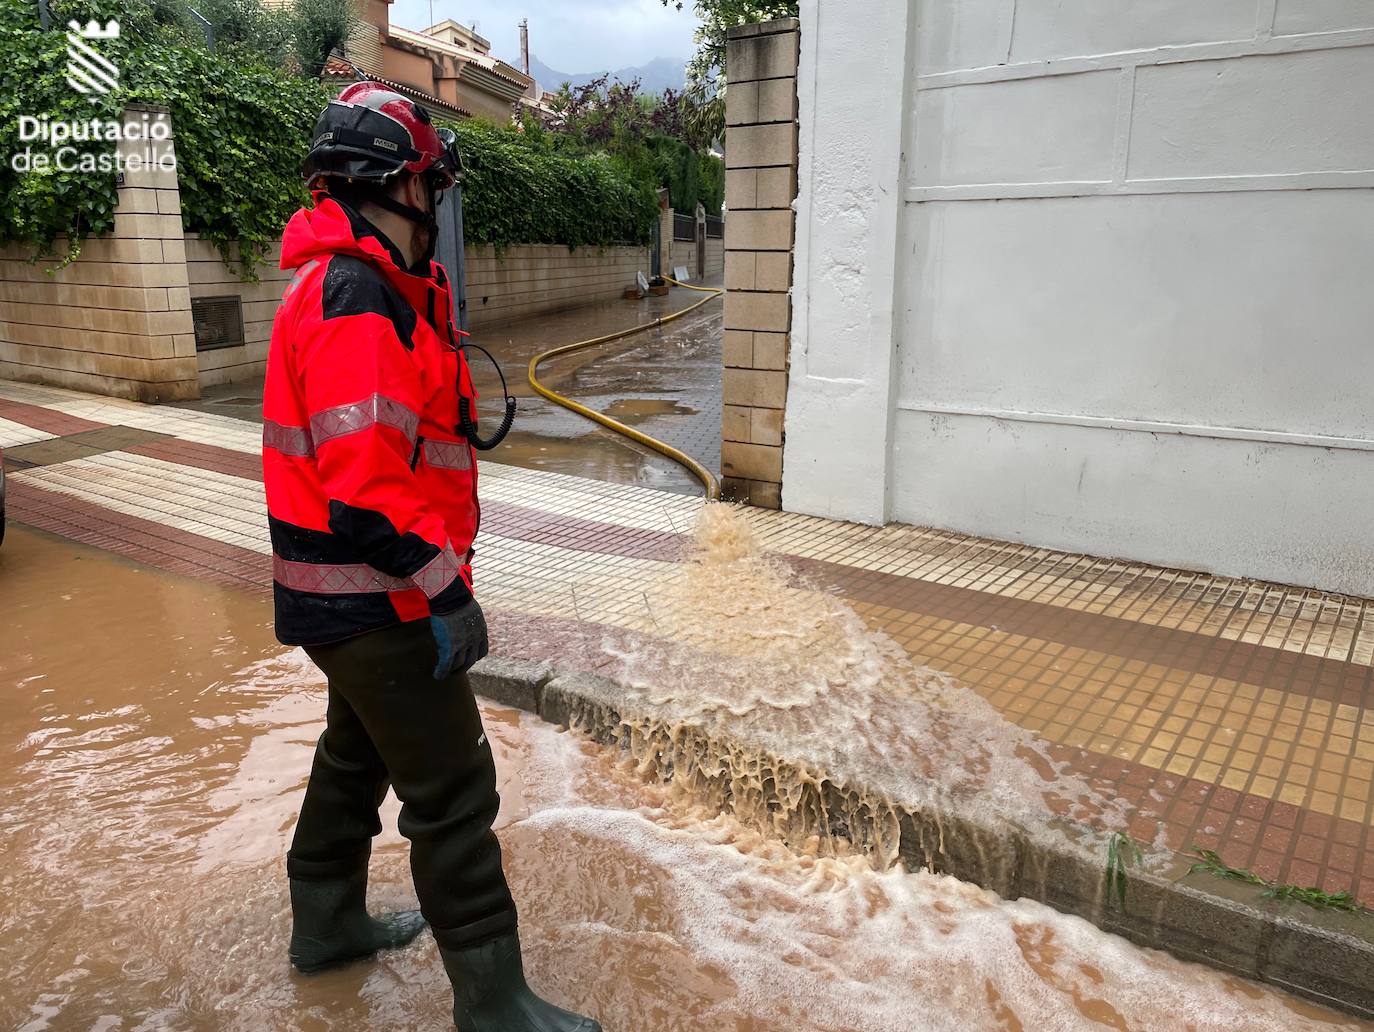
525	45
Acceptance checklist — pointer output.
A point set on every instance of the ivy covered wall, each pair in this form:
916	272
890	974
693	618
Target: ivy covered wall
242	128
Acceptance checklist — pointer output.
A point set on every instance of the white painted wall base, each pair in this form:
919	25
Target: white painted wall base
1296	515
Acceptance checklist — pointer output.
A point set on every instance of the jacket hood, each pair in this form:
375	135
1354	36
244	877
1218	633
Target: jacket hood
331	228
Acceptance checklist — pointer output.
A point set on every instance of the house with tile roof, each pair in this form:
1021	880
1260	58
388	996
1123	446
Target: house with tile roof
447	67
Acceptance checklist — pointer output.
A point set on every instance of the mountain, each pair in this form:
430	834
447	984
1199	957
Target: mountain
655	77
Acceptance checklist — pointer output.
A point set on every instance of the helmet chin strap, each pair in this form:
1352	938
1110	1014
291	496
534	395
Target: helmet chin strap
424	219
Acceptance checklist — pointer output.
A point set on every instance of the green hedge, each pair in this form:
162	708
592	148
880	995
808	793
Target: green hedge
241	132
516	192
689	176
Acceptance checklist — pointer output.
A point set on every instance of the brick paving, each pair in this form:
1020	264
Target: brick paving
1231	714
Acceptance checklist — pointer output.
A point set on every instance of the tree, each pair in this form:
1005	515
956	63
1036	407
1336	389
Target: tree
706	69
320	27
657	137
296	36
245	25
604	114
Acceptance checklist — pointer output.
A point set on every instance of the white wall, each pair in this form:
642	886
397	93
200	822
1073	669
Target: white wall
852	77
1125	302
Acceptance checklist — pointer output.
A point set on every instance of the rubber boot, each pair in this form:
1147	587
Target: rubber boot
330	924
490	994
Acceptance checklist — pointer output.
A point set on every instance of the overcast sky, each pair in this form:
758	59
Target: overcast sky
568	35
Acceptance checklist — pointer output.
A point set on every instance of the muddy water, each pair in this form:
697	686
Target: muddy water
155	743
746	650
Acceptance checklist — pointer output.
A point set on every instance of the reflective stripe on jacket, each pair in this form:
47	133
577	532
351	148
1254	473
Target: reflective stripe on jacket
371	489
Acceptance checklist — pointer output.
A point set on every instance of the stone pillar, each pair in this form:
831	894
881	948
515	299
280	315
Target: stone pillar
665	233
700	258
149	210
760	185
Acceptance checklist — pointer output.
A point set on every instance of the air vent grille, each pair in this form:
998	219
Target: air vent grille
218	321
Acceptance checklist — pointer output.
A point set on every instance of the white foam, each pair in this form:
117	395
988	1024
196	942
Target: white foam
738	639
653	917
836	941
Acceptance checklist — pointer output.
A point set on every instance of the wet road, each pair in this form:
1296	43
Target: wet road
155	742
664	382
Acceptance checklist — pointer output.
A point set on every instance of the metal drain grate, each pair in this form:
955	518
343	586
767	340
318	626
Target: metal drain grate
218	321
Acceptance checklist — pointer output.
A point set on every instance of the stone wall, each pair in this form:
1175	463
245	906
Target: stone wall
532	279
209	276
715	258
760	183
116	321
526	280
684	252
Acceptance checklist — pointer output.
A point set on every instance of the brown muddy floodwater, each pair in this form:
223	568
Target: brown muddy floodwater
156	741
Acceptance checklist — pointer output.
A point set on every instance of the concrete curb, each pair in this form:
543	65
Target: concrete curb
1325	956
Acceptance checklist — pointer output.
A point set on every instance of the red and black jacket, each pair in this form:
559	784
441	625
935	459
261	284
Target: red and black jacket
371	489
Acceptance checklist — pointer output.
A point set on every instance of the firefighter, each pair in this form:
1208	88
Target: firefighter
372	504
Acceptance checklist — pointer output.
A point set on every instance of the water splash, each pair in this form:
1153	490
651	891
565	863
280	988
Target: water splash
747	651
728	928
650	914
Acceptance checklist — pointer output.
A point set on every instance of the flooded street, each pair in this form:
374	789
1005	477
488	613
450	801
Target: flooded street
156	741
664	382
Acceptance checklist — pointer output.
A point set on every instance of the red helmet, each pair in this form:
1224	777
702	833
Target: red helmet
371	132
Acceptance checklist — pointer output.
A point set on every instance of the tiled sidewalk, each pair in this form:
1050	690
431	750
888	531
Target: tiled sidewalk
1234	713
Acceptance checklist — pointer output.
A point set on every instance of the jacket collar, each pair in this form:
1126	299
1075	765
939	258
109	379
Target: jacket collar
334	227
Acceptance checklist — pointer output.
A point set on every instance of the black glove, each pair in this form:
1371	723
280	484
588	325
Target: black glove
461	636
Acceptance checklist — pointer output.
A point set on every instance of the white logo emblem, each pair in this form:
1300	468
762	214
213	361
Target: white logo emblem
88	70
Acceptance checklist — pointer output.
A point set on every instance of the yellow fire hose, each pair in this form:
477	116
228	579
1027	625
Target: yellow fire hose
703	474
